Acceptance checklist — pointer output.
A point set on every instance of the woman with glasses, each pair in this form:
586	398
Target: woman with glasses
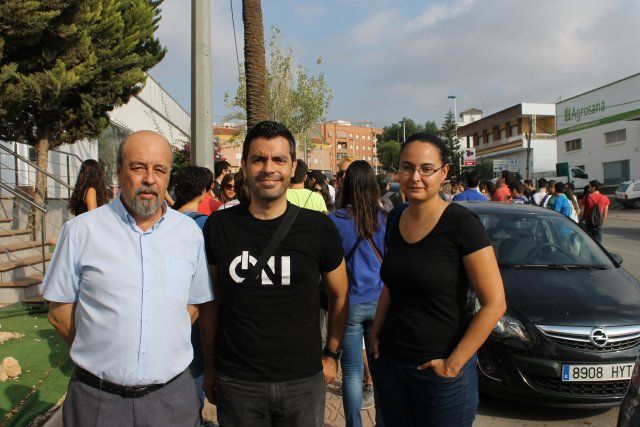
360	221
228	192
423	340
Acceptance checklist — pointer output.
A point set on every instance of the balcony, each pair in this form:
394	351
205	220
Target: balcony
515	138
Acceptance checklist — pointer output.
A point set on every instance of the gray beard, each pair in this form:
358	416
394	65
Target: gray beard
145	207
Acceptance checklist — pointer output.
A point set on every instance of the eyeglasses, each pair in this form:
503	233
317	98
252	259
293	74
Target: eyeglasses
424	171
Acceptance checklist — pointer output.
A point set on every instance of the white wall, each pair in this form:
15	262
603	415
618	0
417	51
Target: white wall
595	152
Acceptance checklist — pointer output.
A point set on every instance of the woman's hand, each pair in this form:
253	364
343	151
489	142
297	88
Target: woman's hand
441	368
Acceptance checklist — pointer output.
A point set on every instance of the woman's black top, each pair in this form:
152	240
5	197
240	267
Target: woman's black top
428	285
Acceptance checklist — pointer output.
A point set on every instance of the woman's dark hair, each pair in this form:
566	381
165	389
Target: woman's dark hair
226	180
243	194
90	176
268	129
428	138
190	183
559	187
360	195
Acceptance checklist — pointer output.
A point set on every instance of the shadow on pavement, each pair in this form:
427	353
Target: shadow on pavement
495	407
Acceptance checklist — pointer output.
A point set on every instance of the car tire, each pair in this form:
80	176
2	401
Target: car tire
636	203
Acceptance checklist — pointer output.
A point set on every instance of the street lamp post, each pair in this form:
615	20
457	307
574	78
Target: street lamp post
455	107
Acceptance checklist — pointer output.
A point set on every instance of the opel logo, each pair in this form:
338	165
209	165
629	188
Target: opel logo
599	338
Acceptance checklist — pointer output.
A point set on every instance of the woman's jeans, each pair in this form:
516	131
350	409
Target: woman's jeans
409	397
359	325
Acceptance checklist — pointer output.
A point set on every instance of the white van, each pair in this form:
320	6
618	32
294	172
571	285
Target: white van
628	194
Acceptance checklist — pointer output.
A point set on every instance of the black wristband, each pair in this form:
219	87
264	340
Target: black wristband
335	355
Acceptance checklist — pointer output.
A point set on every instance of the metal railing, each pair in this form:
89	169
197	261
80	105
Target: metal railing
43	210
33	165
68	164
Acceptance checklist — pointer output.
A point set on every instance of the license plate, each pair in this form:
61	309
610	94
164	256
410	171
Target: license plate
610	372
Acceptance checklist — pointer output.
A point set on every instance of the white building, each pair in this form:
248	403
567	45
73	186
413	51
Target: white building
511	137
599	131
152	109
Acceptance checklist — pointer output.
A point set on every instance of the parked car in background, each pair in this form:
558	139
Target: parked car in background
629	415
571	333
628	194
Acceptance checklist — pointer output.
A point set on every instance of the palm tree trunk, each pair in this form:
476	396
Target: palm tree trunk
255	67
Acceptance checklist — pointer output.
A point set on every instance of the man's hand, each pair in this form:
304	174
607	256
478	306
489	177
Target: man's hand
209	386
329	369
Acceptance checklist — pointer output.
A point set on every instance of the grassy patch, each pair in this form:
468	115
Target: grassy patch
46	368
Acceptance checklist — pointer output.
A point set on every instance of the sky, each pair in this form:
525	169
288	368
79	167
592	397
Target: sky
389	59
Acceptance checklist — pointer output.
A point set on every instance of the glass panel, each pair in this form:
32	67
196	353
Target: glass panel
622	188
616	172
541	240
108	143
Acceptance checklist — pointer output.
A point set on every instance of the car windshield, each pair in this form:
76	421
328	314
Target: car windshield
622	187
542	240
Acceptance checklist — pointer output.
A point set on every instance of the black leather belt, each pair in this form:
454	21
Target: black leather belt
133	391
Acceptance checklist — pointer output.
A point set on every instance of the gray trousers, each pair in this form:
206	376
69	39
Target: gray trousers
176	404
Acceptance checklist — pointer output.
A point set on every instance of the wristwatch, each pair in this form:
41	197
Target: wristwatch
335	355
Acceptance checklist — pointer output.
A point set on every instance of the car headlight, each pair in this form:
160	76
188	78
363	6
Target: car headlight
509	327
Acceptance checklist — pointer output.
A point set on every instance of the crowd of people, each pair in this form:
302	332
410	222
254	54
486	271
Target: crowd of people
249	288
591	211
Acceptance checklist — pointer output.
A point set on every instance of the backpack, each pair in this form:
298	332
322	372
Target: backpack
595	216
195	215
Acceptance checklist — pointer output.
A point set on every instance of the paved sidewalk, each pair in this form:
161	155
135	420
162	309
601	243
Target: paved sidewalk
334	413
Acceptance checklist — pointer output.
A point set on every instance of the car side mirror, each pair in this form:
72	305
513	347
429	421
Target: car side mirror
616	257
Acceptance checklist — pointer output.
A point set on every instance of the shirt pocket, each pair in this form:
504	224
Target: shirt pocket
178	276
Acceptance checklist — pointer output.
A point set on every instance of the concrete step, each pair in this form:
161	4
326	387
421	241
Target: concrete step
22	249
24	262
24	289
23	282
14	236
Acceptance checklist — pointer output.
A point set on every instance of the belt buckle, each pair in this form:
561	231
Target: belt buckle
136	391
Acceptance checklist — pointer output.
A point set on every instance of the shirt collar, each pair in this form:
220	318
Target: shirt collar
120	210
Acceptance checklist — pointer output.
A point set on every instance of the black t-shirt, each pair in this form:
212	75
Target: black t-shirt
428	285
270	331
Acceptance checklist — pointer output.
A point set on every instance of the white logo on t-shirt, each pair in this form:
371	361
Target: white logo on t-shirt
245	259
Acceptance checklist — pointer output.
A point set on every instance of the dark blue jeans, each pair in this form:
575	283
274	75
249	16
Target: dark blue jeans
409	397
250	403
359	326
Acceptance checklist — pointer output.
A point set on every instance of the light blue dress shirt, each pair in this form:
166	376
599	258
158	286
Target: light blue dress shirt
132	288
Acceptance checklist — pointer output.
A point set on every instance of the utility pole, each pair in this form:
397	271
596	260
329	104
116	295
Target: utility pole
201	105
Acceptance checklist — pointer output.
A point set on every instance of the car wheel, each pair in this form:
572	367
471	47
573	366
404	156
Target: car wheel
636	203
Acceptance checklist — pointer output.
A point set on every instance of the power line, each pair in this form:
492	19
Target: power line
235	40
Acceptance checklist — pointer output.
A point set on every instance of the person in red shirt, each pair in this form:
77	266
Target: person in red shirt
209	203
503	194
591	201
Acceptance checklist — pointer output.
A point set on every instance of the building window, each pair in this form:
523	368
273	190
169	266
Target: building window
573	145
616	172
514	130
615	136
489	138
357	136
238	156
479	140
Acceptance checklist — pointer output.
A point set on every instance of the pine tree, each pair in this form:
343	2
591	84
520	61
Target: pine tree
65	64
450	137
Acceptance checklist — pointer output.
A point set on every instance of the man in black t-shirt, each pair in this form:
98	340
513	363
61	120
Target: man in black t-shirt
261	338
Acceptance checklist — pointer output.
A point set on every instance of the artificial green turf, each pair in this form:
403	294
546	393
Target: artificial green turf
42	355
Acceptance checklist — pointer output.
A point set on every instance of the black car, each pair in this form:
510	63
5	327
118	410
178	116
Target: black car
571	333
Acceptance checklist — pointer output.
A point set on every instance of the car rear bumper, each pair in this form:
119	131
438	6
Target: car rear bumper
518	375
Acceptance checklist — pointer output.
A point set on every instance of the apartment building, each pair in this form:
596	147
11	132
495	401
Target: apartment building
347	139
510	137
